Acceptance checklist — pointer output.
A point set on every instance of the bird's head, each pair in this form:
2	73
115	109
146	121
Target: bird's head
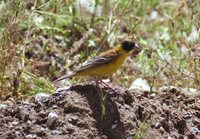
130	46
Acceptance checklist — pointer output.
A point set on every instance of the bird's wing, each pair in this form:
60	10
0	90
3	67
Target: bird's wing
100	60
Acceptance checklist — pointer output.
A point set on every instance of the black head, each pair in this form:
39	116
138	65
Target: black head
129	45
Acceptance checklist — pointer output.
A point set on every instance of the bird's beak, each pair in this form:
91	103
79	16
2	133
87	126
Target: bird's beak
138	47
136	50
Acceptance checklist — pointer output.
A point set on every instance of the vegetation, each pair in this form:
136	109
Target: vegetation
40	38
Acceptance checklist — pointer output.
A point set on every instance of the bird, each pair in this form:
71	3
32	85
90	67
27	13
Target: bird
106	63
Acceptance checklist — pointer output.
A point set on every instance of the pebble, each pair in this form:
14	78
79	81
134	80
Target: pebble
114	126
157	125
15	123
3	106
73	120
54	107
152	95
162	130
51	118
56	132
195	130
31	136
140	84
169	137
187	116
41	97
153	15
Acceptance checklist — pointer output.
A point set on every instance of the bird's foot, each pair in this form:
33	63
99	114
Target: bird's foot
112	91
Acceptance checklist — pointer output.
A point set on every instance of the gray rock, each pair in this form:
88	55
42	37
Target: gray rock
41	97
31	136
51	118
3	106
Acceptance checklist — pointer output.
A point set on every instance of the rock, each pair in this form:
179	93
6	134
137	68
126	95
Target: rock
152	95
162	130
73	120
31	136
3	106
15	123
114	126
56	132
153	15
52	117
194	130
157	125
140	84
169	137
41	97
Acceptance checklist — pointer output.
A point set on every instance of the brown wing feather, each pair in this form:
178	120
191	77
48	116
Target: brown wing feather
104	58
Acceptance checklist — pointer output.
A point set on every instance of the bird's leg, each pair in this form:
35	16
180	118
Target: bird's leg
97	85
107	86
102	101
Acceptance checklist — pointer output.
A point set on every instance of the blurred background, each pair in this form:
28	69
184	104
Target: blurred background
41	40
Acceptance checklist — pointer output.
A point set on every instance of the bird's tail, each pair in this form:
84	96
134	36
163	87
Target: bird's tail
63	77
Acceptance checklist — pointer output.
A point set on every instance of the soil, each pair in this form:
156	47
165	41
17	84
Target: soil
83	113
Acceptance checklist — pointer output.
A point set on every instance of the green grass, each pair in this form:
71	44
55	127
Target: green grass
46	31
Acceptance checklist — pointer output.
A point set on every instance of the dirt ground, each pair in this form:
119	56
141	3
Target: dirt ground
166	114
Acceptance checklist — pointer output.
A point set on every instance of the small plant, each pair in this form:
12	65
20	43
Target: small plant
54	32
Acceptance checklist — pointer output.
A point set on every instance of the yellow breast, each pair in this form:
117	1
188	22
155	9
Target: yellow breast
106	69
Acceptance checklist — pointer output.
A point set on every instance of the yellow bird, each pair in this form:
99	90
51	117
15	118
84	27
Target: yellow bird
106	63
